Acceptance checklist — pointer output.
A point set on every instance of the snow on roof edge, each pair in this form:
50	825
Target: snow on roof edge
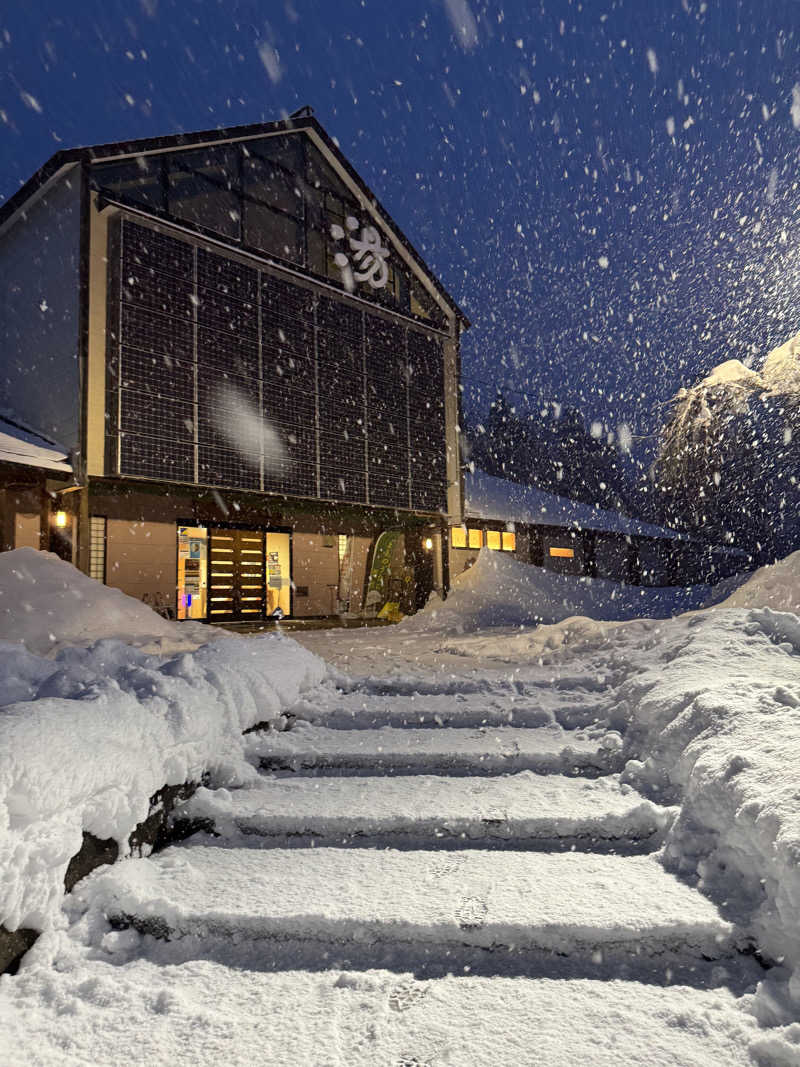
489	497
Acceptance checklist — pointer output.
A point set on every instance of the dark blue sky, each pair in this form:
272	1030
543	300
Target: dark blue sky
608	188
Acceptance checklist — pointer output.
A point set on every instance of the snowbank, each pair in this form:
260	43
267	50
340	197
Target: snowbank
499	590
710	712
89	733
776	586
46	604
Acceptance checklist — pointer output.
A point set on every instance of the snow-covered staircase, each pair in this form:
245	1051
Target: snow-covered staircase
401	851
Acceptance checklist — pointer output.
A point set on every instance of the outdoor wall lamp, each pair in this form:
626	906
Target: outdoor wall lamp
61	519
429	543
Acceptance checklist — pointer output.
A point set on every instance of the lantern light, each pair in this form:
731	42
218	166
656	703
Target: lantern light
61	519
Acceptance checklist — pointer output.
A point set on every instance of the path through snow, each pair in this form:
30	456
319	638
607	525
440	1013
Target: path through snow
437	865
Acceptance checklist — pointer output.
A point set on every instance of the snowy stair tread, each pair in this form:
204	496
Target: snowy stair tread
496	750
368	710
207	1013
520	806
569	902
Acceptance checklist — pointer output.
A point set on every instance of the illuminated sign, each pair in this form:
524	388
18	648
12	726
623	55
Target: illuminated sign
564	553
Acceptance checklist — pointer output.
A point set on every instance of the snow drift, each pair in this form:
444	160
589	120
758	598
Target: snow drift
90	732
499	590
46	604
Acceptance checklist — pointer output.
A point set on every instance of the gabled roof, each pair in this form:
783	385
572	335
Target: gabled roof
302	120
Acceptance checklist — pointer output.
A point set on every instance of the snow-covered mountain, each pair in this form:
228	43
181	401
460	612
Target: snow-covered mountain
729	458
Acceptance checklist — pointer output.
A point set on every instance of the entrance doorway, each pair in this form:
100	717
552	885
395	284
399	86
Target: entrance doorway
236	579
248	574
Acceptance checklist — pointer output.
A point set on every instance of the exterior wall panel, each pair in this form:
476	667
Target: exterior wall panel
39	302
265	385
141	559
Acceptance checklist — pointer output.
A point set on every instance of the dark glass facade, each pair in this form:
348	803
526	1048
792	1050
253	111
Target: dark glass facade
275	195
222	374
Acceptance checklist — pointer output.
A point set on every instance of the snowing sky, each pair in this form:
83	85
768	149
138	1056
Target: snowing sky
606	187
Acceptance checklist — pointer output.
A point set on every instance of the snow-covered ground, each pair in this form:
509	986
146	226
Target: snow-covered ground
478	841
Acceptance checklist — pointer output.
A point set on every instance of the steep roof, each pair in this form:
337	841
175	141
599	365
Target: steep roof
302	120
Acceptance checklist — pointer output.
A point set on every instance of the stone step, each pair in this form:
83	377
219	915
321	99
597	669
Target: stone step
450	750
424	811
512	902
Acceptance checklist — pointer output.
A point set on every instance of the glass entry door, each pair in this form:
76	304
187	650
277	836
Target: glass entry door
236	575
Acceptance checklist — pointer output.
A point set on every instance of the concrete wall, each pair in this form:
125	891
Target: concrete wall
142	558
39	259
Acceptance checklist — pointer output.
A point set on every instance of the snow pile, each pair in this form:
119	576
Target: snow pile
46	604
710	713
88	734
776	586
499	590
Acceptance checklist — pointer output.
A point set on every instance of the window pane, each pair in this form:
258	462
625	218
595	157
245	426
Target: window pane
493	539
202	189
475	538
285	150
316	251
196	200
272	185
509	541
458	537
138	180
272	232
321	176
218	164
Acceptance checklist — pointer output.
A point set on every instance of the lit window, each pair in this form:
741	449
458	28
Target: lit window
493	540
475	538
509	541
563	553
458	536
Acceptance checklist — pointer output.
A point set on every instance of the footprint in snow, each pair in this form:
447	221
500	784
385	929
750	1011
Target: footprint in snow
471	913
406	995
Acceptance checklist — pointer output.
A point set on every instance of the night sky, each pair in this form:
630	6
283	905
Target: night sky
609	189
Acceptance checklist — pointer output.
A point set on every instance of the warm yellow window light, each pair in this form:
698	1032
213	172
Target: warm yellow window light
564	553
61	518
493	540
509	541
475	538
458	536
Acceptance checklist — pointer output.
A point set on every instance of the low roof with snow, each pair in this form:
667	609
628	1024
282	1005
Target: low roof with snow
487	497
20	445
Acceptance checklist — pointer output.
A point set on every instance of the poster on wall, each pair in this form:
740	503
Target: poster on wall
274	570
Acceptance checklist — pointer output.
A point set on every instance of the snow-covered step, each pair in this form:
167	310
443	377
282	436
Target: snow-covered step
365	709
208	1013
451	750
526	901
426	810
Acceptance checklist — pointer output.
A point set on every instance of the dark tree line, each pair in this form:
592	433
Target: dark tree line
552	450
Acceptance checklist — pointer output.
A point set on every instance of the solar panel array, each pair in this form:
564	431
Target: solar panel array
224	375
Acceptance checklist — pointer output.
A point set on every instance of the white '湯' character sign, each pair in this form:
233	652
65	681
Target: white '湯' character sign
369	255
